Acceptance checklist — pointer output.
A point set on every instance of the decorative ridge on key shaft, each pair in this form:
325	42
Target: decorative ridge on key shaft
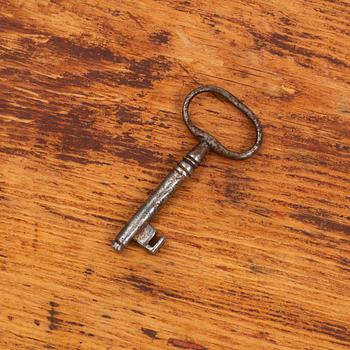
138	227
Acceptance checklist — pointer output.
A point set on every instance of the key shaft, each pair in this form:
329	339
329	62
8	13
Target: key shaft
142	218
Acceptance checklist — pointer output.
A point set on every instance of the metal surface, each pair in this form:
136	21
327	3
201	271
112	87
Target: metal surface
215	145
138	227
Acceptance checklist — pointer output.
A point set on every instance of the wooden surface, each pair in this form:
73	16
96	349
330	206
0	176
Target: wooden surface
257	255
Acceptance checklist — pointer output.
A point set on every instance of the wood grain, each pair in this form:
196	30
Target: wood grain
257	255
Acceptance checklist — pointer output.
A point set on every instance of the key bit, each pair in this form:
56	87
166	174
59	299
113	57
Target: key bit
145	236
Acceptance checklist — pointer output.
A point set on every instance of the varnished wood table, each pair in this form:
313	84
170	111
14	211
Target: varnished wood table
257	255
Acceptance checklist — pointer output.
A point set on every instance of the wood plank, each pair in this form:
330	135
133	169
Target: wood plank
257	255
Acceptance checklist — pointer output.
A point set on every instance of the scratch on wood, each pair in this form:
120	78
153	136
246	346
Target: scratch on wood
54	321
182	344
149	332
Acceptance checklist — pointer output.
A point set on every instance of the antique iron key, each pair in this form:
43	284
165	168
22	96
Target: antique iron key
139	227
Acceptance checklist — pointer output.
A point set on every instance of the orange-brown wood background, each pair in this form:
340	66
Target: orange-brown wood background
257	255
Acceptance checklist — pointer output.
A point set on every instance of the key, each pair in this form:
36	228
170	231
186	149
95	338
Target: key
138	228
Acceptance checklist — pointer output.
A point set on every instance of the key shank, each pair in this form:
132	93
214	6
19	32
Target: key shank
138	227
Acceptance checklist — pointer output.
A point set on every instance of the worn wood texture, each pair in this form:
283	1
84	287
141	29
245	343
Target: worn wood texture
258	251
